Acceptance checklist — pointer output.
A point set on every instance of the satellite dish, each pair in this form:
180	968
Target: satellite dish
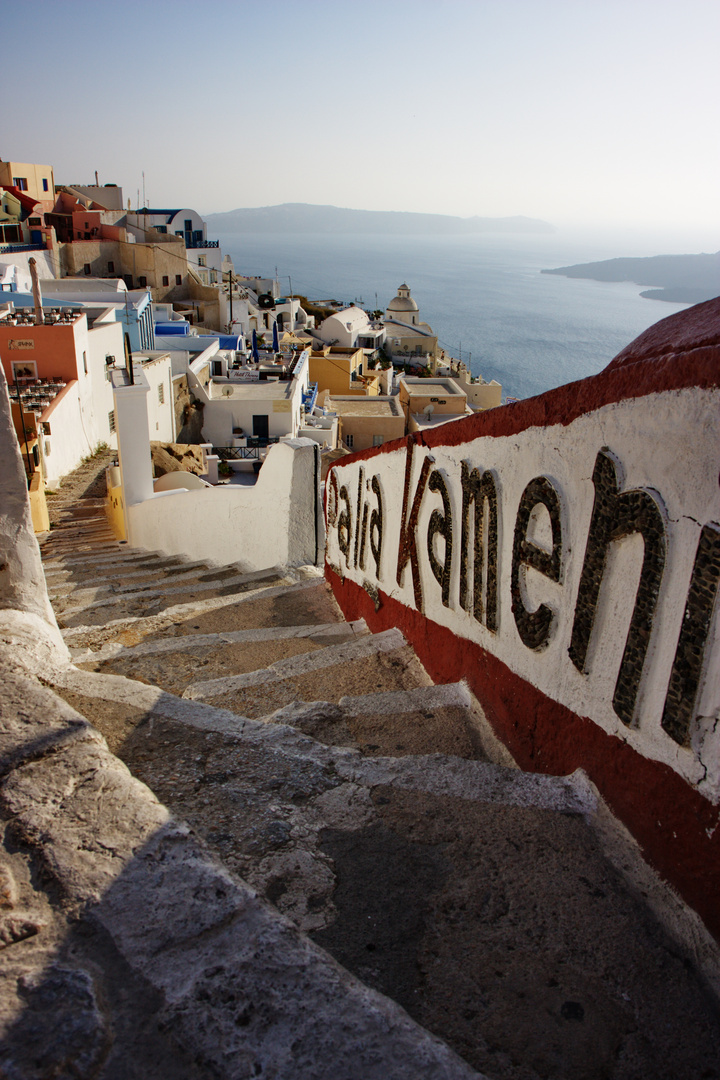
429	410
227	391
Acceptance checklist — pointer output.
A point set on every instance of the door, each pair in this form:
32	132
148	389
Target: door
260	427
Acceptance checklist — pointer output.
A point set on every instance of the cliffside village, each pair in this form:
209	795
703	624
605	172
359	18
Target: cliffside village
233	364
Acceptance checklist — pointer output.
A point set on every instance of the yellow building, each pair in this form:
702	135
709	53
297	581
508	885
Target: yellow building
481	395
342	371
36	181
429	402
366	422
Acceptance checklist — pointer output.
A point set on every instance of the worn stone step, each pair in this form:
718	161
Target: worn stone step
69	518
120	571
477	897
122	560
174	663
443	719
300	596
66	498
89	533
81	510
125	554
73	525
59	548
64	536
148	581
435	773
151	958
151	601
379	661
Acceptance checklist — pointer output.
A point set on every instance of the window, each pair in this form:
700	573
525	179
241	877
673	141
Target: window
24	370
143	281
178	279
35	221
202	261
46	186
377	440
111	421
161	394
86	269
166	279
20	182
349	441
11	234
111	268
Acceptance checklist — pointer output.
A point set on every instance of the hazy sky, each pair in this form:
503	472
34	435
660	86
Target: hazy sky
575	111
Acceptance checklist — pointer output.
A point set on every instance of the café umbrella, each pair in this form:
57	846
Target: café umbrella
276	342
255	353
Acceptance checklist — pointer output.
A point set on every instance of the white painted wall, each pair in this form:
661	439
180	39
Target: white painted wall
70	439
131	414
667	443
46	262
273	523
222	415
14	277
161	418
103	339
344	327
322	430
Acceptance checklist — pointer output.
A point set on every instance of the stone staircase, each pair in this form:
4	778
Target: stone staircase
376	811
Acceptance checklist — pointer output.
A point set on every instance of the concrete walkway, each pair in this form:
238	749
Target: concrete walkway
311	790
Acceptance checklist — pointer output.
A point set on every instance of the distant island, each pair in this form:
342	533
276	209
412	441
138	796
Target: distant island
307	218
680	279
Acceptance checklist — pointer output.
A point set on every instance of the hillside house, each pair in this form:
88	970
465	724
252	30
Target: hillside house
59	372
343	370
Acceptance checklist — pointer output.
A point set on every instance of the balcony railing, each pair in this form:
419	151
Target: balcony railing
252	450
310	396
9	249
202	243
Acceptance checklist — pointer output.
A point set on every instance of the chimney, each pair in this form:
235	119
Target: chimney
37	295
97	182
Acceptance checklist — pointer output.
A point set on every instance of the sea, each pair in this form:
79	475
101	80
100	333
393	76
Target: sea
483	294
